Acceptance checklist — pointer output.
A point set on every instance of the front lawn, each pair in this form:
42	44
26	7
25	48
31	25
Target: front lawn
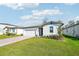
6	36
41	47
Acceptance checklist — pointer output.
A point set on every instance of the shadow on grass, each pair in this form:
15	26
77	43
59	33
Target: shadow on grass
72	38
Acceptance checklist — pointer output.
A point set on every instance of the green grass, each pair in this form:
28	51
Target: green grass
42	47
5	36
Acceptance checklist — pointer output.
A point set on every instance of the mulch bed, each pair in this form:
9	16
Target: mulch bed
56	37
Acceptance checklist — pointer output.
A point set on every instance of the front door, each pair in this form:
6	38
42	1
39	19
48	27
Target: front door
40	31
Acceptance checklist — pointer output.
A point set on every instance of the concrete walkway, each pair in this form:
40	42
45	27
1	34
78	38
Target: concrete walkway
7	41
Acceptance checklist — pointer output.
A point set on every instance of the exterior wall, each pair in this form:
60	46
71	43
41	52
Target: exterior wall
19	31
37	32
28	32
1	29
76	34
68	31
13	30
72	31
46	30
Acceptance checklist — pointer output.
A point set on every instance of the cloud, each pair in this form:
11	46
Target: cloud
47	12
20	6
31	17
41	14
76	18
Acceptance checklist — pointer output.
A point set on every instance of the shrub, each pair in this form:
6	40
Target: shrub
76	38
56	37
21	34
9	34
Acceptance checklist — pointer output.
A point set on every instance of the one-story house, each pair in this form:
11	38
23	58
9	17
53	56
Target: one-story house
72	30
45	29
4	25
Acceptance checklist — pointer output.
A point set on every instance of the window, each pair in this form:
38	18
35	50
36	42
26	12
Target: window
51	28
13	29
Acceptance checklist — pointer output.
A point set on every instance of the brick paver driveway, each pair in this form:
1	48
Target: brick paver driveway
7	41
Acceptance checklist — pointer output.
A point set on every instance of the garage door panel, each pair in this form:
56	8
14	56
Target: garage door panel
29	33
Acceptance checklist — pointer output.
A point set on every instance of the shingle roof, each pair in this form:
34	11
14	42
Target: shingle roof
7	24
71	26
53	22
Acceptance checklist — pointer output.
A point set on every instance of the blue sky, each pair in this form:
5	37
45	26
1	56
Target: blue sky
30	14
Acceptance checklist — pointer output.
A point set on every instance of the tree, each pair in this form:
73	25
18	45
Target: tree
60	30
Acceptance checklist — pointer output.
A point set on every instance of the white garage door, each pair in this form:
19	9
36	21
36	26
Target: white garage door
29	33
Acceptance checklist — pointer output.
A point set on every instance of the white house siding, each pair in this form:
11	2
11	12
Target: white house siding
76	31
37	32
46	30
1	29
68	31
13	30
72	31
19	31
65	31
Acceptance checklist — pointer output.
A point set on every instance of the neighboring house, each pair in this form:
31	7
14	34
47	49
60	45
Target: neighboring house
45	29
4	25
72	30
